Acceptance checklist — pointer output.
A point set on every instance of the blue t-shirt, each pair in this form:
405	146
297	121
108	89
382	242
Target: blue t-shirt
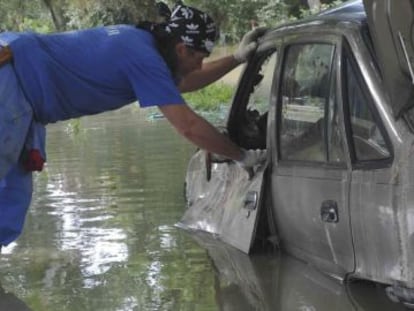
71	74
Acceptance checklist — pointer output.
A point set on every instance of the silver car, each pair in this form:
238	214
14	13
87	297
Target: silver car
330	98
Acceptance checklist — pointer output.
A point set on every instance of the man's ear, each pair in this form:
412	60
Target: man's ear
180	49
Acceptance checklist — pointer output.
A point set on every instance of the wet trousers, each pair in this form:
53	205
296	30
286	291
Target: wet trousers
16	122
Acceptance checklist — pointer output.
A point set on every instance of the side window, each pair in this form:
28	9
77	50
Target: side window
309	121
260	97
249	125
367	137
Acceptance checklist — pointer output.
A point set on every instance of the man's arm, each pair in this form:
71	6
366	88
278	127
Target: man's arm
209	73
212	71
200	132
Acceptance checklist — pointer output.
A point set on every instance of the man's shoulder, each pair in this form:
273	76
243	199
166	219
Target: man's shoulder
131	39
128	32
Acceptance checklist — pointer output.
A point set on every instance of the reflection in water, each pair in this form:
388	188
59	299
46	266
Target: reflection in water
99	247
101	235
274	282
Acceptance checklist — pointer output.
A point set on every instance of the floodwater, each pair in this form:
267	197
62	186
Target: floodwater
101	236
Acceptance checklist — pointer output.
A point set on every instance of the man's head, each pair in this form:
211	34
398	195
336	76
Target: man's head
193	27
195	33
184	37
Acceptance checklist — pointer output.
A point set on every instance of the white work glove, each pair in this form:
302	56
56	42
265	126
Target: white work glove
251	158
248	44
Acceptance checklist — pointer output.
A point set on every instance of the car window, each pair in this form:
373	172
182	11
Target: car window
367	137
260	97
250	130
309	121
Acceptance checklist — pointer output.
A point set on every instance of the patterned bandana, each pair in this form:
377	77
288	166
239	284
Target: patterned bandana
196	29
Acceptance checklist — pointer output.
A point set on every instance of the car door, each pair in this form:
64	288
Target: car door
310	174
391	25
222	197
375	211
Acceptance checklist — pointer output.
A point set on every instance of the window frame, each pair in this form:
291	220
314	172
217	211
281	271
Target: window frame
283	56
348	56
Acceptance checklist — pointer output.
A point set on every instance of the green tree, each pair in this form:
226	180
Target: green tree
21	15
233	17
273	13
300	8
57	12
87	13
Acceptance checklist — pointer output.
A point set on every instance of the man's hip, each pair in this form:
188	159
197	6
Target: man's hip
6	55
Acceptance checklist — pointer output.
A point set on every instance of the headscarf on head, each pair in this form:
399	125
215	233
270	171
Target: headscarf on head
193	27
188	25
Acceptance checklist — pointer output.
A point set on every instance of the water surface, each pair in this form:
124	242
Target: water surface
100	235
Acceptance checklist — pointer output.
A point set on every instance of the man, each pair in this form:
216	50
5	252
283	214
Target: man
54	77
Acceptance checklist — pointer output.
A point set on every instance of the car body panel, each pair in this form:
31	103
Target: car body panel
391	26
328	245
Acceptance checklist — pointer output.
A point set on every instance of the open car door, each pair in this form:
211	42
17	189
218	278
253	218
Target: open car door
391	24
227	205
223	198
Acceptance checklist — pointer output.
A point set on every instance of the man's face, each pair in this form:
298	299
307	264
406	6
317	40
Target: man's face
188	59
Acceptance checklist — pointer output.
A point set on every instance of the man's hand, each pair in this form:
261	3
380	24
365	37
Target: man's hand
252	158
248	44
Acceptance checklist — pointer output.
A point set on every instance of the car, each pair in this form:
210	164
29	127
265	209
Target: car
330	98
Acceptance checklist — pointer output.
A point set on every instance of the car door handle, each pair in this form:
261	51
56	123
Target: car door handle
250	200
329	211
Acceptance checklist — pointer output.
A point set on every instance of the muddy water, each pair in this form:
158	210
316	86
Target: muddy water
100	235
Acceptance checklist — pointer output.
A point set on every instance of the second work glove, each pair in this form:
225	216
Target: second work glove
248	44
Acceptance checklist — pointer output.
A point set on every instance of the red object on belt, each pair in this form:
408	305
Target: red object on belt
6	55
32	160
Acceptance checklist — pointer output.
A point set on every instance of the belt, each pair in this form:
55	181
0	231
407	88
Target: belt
5	55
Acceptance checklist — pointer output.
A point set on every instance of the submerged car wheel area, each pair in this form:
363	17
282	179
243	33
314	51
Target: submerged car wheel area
337	189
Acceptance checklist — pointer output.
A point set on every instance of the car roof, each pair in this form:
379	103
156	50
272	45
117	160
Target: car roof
350	11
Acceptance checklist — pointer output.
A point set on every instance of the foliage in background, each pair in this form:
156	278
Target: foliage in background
84	13
235	17
307	12
211	97
273	12
61	15
24	14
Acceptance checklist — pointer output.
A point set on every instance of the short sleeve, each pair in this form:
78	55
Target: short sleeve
152	82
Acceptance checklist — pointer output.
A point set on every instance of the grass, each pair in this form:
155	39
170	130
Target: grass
210	98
